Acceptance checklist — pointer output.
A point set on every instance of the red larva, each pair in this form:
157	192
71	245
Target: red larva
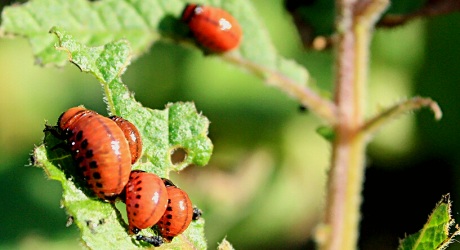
212	27
146	200
178	214
100	148
132	136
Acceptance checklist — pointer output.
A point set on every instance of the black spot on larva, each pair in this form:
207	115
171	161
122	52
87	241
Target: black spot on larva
99	185
169	201
79	135
80	159
138	196
168	223
89	153
135	214
136	230
93	164
169	208
139	182
68	132
137	177
160	222
136	205
96	175
169	216
139	189
84	144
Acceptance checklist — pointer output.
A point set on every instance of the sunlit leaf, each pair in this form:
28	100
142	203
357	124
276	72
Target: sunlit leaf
179	125
142	23
435	233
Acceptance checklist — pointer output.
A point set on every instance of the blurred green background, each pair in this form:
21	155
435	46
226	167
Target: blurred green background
264	186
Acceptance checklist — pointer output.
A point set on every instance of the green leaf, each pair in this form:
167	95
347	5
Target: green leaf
178	126
142	23
98	221
162	131
94	23
326	132
435	233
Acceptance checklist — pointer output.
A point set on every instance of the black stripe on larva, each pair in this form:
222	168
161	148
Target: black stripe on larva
169	208
79	135
89	153
84	144
139	182
93	164
139	189
96	175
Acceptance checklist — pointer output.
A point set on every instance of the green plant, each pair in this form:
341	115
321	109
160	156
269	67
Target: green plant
98	47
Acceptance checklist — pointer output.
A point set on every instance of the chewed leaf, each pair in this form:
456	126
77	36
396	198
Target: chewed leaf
435	233
98	221
178	127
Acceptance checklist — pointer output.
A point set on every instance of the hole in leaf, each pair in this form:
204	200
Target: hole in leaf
178	155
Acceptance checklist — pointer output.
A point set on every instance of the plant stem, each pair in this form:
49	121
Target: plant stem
325	109
341	223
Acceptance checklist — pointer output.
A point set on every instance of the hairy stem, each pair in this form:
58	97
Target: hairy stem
341	222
